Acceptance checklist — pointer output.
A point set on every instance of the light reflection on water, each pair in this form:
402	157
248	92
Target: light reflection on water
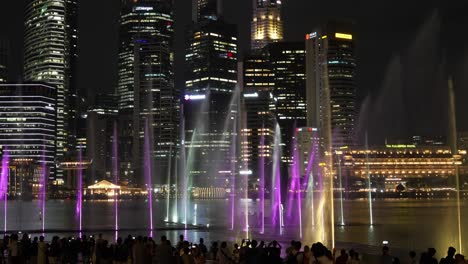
407	224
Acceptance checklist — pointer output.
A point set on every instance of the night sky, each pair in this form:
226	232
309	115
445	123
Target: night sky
405	51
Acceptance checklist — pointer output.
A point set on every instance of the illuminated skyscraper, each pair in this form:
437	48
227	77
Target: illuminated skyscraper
146	84
28	121
288	65
210	113
258	72
211	58
331	87
50	43
101	121
258	136
158	102
266	26
139	20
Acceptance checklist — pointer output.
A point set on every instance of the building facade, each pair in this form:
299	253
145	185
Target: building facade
211	100
50	43
413	167
331	87
288	65
101	136
259	133
158	103
266	25
145	71
28	122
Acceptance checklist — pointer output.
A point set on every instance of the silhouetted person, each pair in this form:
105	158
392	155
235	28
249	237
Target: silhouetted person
342	258
120	254
33	251
428	257
139	251
449	259
41	251
223	256
214	250
186	257
321	254
180	244
459	259
202	247
386	258
411	257
164	251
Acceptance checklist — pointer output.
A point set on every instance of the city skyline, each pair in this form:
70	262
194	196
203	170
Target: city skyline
271	118
410	25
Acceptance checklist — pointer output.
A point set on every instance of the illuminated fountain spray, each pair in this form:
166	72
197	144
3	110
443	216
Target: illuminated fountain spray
369	184
4	186
276	206
233	157
168	191
115	172
42	189
181	167
187	179
454	148
294	190
262	182
341	188
148	174
309	180
245	174
79	198
195	209
296	174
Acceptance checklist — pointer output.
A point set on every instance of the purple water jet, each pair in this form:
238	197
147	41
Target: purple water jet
79	199
4	186
43	189
296	175
233	179
262	182
148	175
276	181
115	171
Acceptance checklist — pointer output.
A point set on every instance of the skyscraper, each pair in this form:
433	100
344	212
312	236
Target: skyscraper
288	65
101	122
50	40
158	102
266	25
258	135
258	72
331	88
146	83
211	58
28	121
139	21
210	113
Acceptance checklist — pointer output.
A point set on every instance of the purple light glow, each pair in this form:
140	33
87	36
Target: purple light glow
116	180
233	180
4	186
148	176
262	183
79	202
43	189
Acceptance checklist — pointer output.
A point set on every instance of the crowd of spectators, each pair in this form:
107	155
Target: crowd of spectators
144	250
